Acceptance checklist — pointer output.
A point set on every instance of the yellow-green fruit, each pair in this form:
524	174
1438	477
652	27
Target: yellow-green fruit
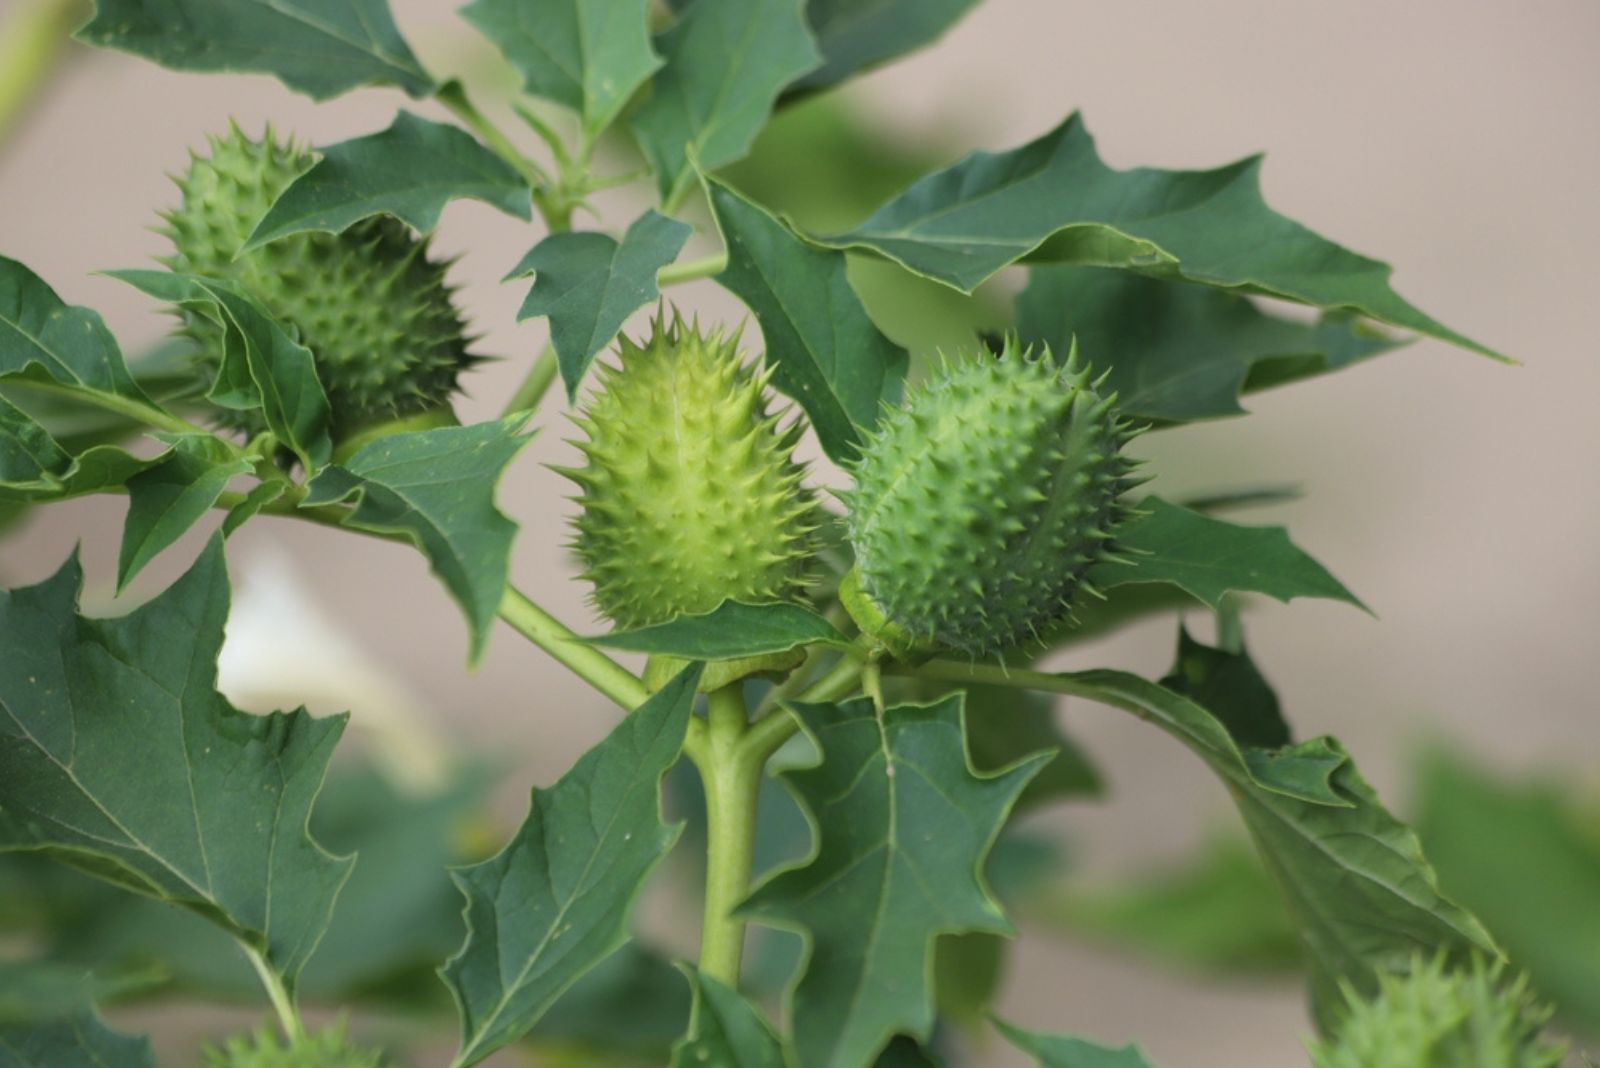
264	1049
981	503
691	494
1438	1017
370	305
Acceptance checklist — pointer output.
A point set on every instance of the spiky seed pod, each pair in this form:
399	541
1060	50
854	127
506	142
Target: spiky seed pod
980	504
1435	1016
371	306
691	494
264	1049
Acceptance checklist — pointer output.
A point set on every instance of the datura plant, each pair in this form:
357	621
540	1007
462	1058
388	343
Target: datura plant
801	535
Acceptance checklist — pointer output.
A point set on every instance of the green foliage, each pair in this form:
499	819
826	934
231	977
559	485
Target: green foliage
1056	1051
81	1041
167	499
44	339
553	903
727	1031
730	631
857	35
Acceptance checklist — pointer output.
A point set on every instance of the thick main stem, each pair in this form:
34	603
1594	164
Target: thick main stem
732	784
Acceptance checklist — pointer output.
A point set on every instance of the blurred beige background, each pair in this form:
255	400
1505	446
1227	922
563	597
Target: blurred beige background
1459	141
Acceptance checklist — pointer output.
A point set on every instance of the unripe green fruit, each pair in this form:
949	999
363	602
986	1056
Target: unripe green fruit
981	503
264	1049
691	495
370	305
1434	1017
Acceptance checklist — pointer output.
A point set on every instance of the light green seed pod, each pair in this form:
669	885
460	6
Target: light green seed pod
264	1049
691	494
980	505
1434	1016
371	306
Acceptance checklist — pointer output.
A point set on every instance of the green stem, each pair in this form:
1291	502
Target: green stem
540	377
138	411
453	95
581	658
768	733
278	994
689	270
33	41
733	785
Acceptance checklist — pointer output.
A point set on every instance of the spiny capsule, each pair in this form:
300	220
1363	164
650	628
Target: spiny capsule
982	502
1436	1016
371	306
691	494
322	1049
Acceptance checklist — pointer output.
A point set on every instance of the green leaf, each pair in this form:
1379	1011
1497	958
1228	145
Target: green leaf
33	991
1209	558
259	496
318	47
411	171
1005	724
554	902
824	351
1229	684
1175	353
166	500
730	631
857	35
118	756
437	487
726	62
80	1041
903	824
1059	1051
632	1004
44	339
28	454
725	1031
1363	896
262	365
590	55
588	284
1053	200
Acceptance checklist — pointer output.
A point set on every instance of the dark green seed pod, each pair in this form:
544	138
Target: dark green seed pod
264	1049
371	306
981	503
1433	1016
691	495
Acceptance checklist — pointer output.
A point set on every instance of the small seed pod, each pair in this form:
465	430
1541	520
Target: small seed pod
691	494
322	1049
371	306
981	503
1435	1016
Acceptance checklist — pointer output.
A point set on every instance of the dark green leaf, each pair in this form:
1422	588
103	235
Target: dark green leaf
1059	1051
260	495
857	35
34	991
824	351
1229	684
1209	558
554	902
118	755
588	284
631	1004
1005	724
411	171
437	487
42	338
725	1031
166	500
726	62
903	1052
262	365
28	454
730	631
590	55
1053	200
80	1041
967	969
318	47
903	825
1526	858
1176	353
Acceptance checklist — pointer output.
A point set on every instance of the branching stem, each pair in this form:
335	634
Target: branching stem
733	785
581	658
278	994
689	270
540	377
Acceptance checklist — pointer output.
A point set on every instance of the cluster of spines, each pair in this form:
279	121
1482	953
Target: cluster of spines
373	308
980	504
691	494
264	1049
1437	1016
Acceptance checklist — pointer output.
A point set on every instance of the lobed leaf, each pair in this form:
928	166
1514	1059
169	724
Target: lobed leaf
437	488
411	171
44	339
823	349
168	498
318	47
731	631
118	756
856	35
588	283
903	825
79	1041
1054	201
725	1031
591	55
1176	353
1209	558
34	466
1060	1051
725	63
553	903
1228	683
